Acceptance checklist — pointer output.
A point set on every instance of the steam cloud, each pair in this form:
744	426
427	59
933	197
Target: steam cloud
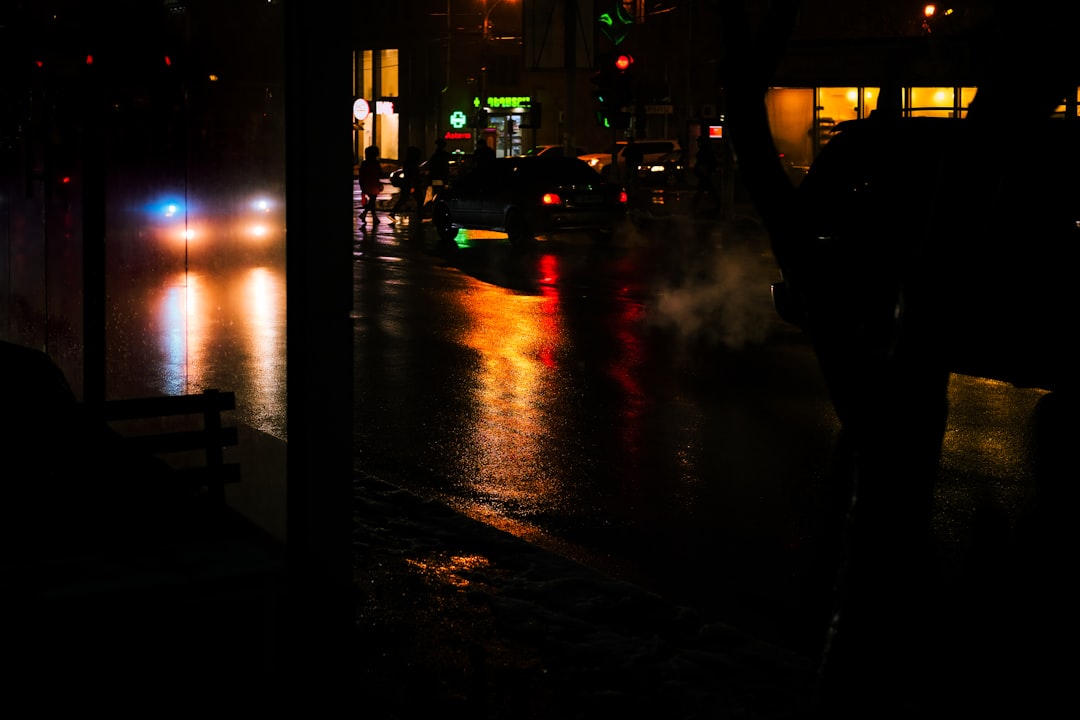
718	289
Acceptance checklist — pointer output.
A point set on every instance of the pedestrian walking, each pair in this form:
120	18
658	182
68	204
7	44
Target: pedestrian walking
439	168
369	176
483	153
410	186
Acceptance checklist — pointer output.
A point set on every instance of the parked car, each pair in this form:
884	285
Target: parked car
650	150
551	151
669	169
525	197
458	163
936	223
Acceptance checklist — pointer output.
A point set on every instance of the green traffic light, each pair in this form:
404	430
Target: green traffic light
615	23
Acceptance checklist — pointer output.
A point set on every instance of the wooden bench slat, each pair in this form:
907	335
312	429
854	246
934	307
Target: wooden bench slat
169	405
211	439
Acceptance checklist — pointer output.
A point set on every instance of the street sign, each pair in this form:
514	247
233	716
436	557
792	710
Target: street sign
361	109
659	109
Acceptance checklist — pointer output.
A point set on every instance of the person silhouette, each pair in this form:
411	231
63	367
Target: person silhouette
410	186
483	153
370	178
439	168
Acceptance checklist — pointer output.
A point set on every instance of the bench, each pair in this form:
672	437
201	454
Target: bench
184	430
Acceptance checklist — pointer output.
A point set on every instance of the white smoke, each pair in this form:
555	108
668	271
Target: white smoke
717	290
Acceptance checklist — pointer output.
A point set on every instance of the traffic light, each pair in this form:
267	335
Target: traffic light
615	23
614	92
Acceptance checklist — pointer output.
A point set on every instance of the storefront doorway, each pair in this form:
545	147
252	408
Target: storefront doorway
504	134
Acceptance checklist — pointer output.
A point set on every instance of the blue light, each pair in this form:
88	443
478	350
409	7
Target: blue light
166	208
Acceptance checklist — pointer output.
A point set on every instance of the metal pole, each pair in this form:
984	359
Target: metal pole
93	221
570	59
486	29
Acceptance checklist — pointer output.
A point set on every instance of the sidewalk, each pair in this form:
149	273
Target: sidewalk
454	615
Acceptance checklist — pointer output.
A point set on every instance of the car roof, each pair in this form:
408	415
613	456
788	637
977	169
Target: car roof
537	149
546	168
619	144
650	141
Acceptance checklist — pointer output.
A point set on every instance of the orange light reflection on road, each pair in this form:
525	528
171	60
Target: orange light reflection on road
513	336
262	315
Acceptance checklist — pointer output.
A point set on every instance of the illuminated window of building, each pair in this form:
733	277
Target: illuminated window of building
837	104
363	87
1064	111
791	116
967	94
376	78
869	100
930	102
388	125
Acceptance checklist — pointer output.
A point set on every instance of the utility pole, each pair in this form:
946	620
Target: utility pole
570	8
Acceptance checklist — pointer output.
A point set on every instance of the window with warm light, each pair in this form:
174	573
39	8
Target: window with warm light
376	77
1064	111
967	94
931	102
837	104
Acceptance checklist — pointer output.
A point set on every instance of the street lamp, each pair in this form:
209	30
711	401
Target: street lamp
487	17
485	37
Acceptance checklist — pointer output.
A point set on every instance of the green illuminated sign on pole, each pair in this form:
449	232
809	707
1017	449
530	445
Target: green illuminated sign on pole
458	119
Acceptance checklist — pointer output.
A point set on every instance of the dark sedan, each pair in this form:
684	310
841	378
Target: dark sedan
529	196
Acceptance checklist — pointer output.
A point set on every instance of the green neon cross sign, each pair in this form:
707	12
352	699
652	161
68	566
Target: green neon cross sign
458	120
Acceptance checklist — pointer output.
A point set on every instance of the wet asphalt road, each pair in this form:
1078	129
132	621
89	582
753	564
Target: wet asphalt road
639	408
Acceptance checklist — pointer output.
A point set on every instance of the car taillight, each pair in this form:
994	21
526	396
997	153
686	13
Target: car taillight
551	199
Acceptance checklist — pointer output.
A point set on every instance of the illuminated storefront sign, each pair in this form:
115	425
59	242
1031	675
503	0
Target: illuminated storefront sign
505	101
460	119
362	108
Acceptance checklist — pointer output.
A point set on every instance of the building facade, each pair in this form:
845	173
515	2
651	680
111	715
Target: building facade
504	73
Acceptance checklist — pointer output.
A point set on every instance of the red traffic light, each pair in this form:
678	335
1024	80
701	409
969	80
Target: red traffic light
623	62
